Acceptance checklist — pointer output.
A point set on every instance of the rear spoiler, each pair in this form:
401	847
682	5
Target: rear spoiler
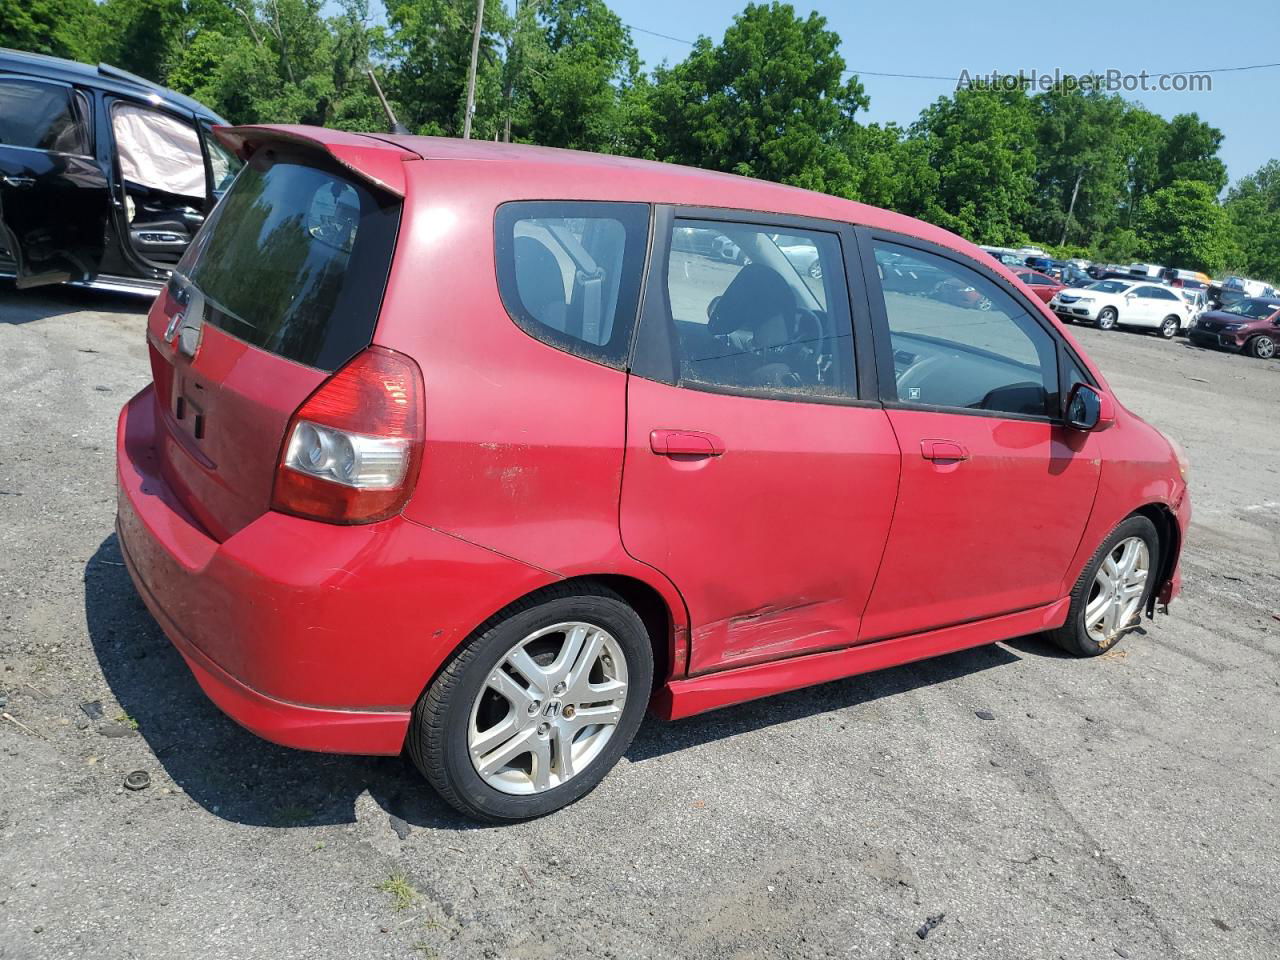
377	162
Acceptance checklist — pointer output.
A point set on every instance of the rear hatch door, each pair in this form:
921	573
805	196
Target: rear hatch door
282	286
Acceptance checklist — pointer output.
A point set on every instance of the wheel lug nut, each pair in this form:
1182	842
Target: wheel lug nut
535	707
558	689
568	712
543	728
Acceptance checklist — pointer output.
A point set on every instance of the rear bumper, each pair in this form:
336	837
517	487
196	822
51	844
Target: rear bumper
289	724
308	634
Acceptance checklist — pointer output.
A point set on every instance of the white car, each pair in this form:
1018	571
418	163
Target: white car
1124	303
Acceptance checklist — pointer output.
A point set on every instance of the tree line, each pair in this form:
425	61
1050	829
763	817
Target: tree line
1077	170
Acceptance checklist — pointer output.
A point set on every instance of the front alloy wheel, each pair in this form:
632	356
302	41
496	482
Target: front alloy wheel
1113	589
1263	347
1118	589
1169	328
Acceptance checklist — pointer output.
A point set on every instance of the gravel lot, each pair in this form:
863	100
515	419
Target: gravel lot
1124	806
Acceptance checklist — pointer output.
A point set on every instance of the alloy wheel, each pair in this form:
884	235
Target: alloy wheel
1118	590
548	708
1264	348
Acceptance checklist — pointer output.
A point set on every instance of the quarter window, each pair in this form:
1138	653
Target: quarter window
960	341
41	116
569	273
759	312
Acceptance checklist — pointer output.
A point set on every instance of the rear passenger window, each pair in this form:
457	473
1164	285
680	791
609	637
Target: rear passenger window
42	116
960	341
569	273
759	312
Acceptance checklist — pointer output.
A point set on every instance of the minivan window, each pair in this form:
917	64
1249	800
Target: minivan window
960	341
569	273
749	308
41	116
294	260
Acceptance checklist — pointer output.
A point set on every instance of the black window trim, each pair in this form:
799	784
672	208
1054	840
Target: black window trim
866	237
653	354
533	328
80	105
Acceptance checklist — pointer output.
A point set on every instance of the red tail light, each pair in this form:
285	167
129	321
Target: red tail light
352	450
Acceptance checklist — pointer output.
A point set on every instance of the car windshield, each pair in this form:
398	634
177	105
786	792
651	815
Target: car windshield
1254	309
1109	286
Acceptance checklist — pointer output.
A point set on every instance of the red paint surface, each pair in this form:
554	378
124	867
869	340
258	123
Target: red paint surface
791	543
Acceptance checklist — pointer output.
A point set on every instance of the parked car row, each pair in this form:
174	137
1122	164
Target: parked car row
1235	314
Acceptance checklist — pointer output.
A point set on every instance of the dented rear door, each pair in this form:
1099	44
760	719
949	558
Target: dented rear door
755	478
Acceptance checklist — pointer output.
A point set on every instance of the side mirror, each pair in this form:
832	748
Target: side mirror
1088	409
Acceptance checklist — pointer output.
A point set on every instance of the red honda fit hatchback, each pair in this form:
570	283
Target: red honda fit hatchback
478	451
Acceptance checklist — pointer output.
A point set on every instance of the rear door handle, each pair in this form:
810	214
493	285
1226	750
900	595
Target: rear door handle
19	181
947	451
692	443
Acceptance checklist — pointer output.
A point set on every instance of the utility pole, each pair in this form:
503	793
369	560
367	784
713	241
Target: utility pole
1071	209
471	72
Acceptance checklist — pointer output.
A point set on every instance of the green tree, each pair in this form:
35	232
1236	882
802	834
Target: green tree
1190	152
1183	225
430	49
770	101
575	89
60	28
982	144
1081	174
1254	208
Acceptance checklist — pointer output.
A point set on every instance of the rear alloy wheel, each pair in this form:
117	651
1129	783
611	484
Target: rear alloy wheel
1113	590
1169	327
535	711
1262	347
1107	318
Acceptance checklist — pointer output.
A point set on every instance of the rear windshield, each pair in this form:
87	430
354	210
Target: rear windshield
294	260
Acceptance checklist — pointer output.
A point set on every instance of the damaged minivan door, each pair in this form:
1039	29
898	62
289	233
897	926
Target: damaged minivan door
54	195
105	177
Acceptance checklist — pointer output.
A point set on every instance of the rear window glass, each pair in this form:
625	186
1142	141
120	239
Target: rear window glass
569	273
41	116
294	260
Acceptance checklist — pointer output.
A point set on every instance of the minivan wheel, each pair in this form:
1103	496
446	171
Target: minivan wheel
1263	347
1169	328
1107	318
1108	599
536	709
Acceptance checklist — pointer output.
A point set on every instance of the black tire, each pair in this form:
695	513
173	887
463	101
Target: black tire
1169	327
1263	347
1107	318
437	739
1072	635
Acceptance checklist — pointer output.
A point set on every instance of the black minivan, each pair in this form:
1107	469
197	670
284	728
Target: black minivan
104	176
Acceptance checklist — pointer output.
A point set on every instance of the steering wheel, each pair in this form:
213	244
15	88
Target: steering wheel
807	328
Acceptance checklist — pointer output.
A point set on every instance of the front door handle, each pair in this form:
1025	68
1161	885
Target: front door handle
945	451
685	443
20	182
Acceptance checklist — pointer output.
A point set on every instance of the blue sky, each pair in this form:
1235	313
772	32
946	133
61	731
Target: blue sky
944	38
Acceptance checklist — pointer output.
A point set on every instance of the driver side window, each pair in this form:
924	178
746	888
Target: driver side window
759	312
960	341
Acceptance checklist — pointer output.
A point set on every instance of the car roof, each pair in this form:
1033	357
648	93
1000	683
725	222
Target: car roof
103	77
378	157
